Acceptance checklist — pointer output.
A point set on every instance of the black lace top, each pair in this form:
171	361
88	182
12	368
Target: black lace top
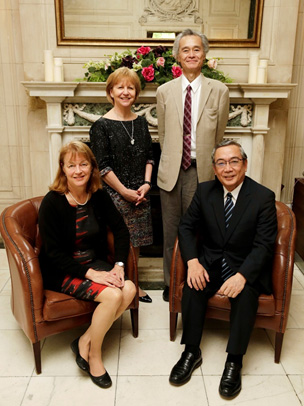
111	145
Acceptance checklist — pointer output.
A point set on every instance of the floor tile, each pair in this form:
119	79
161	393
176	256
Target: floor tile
296	308
3	259
152	353
7	320
153	315
256	390
297	382
292	357
7	289
12	390
4	277
16	354
156	390
299	276
67	391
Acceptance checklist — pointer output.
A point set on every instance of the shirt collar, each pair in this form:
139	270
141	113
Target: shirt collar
195	84
235	192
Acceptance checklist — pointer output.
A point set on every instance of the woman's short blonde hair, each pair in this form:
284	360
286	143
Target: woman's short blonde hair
119	74
76	147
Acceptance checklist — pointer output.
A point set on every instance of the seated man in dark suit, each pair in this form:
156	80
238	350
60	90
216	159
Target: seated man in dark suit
237	225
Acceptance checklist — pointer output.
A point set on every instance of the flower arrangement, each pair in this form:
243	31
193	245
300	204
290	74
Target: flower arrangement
152	66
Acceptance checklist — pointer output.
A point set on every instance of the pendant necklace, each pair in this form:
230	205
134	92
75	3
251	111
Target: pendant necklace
132	134
79	204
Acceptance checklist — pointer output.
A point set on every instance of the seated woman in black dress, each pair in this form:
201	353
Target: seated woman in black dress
73	221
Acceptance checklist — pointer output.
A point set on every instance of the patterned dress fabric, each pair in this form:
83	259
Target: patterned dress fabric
111	145
86	230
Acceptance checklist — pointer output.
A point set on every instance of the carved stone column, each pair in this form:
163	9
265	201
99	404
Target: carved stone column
55	129
54	95
259	130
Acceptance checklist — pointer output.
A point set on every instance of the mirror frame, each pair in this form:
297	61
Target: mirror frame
63	40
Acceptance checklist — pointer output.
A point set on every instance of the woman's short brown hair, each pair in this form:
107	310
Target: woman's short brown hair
121	74
76	147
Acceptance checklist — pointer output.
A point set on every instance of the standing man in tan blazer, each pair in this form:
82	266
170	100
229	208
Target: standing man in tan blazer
209	115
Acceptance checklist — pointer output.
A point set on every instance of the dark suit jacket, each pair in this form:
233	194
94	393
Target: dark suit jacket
248	243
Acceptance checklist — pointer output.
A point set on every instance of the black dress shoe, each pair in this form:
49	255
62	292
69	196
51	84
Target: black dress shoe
81	362
230	385
166	294
182	370
103	381
145	299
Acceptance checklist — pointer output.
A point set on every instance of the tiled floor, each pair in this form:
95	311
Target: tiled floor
140	367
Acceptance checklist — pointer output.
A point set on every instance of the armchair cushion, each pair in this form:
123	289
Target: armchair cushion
58	306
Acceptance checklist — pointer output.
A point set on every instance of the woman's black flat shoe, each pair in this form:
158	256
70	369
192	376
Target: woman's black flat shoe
104	381
145	299
81	362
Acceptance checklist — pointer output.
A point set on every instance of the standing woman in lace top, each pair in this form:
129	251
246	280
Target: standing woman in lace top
122	145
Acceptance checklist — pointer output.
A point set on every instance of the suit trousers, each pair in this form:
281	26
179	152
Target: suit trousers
174	205
242	316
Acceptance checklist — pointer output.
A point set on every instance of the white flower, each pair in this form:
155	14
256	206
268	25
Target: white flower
136	66
212	63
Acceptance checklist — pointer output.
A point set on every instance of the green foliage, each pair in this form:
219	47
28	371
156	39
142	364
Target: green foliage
152	66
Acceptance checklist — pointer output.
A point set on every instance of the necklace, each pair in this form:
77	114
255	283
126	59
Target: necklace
132	134
79	204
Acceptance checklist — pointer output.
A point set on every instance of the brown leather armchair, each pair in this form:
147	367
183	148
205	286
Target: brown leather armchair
41	312
273	309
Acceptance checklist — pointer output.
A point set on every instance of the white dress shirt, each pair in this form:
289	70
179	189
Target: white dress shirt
235	193
195	97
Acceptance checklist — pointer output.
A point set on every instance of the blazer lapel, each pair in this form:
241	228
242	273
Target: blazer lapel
217	202
242	202
178	98
205	91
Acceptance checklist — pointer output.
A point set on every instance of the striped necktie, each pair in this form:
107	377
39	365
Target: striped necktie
228	209
186	159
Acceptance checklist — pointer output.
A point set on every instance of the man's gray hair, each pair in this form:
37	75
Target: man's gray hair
225	143
186	32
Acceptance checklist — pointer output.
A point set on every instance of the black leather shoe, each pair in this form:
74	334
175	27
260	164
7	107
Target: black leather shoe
182	370
166	294
103	381
231	385
145	299
81	362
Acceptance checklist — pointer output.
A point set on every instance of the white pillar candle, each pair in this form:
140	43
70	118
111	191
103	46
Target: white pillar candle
261	74
58	70
264	63
253	66
48	66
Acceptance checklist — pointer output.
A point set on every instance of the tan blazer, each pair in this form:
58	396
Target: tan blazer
212	120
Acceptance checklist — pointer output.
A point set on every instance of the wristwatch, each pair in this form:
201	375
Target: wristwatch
119	263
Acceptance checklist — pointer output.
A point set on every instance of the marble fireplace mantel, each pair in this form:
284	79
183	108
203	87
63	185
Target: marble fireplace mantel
257	96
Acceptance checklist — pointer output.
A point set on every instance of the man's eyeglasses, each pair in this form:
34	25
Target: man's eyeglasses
234	162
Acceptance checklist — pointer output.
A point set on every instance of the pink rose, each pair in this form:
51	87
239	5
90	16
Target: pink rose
143	50
148	73
212	63
160	61
176	71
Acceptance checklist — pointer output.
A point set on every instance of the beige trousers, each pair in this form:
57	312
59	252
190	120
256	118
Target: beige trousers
174	205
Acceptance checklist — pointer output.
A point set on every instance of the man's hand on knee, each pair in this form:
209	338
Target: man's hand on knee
197	275
233	286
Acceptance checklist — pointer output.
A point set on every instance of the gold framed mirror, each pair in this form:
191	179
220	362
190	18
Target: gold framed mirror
226	23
